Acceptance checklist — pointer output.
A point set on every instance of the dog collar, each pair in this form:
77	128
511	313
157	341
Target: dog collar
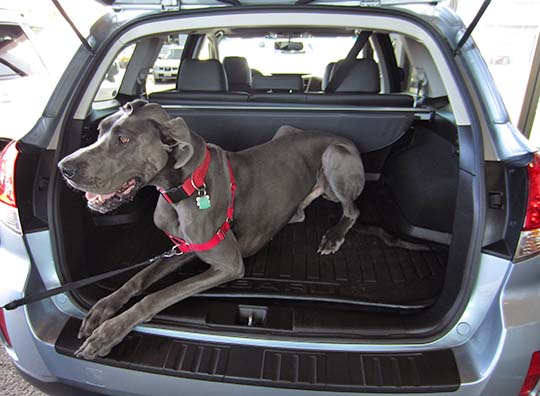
191	185
186	247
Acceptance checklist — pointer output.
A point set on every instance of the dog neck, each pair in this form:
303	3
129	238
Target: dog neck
169	177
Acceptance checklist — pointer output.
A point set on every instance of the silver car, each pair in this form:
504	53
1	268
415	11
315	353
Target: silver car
435	290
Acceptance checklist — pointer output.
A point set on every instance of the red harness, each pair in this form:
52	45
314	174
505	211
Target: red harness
190	186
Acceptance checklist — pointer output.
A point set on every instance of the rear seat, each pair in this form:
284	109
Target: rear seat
279	88
363	77
199	80
278	83
361	87
206	81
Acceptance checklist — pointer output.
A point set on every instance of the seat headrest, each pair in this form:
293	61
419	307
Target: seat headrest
278	83
327	73
363	77
238	72
202	76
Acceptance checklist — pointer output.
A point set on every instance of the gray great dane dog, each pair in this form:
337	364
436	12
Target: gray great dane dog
141	145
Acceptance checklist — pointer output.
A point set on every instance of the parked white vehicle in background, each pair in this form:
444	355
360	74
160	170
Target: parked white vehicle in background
167	64
25	85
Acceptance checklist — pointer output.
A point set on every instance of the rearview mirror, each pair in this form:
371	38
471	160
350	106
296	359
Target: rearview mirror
289	46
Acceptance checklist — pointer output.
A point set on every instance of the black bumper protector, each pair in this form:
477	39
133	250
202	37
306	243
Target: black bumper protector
426	372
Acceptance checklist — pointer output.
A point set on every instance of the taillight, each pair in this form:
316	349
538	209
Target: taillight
9	214
3	327
531	385
529	241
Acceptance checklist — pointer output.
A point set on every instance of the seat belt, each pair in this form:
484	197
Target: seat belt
345	66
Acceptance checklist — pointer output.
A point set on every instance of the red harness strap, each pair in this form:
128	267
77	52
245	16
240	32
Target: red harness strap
191	184
198	176
186	247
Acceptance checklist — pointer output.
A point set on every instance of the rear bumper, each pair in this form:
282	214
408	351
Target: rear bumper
493	362
492	359
62	375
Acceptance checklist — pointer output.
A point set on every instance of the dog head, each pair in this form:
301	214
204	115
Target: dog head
134	145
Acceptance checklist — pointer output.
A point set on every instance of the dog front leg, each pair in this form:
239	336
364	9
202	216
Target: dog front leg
108	306
226	265
112	331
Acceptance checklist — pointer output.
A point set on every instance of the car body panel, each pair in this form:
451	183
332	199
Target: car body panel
492	340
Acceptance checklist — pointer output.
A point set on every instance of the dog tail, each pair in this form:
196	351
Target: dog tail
391	240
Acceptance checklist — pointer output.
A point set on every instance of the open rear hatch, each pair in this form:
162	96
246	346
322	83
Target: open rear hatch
372	288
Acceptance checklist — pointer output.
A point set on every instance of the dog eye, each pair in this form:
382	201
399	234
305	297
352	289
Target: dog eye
123	139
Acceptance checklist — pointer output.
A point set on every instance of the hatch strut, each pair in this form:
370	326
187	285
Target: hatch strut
70	22
471	27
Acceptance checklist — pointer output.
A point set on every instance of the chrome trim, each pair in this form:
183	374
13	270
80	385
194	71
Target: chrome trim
286	106
422	114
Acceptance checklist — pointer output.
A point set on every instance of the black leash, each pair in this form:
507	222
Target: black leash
87	281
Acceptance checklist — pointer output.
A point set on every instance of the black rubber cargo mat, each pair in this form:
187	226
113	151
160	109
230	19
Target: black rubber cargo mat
426	372
365	271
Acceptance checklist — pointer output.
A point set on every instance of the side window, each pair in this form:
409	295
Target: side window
204	52
113	79
18	57
415	78
163	74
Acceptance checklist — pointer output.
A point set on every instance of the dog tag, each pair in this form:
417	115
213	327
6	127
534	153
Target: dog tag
203	201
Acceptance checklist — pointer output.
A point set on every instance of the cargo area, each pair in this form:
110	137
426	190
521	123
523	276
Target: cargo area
401	269
385	277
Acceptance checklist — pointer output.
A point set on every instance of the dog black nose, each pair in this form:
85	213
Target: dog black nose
68	170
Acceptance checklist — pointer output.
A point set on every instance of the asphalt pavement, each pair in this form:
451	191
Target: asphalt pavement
11	383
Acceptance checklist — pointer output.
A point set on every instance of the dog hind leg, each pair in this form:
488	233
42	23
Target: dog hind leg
344	172
317	191
286	130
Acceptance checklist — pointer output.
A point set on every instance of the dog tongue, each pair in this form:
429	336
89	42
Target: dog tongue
90	196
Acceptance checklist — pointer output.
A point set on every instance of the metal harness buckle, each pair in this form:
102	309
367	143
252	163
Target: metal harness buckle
174	251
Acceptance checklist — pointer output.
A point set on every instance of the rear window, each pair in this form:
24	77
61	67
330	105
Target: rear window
305	55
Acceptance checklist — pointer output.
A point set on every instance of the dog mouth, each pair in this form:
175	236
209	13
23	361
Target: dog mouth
106	202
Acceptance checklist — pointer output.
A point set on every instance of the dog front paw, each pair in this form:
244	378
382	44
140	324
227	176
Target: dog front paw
101	311
103	339
330	243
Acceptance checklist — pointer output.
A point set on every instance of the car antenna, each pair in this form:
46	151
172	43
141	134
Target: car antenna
471	27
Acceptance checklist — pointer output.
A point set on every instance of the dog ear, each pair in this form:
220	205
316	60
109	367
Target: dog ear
134	105
175	134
